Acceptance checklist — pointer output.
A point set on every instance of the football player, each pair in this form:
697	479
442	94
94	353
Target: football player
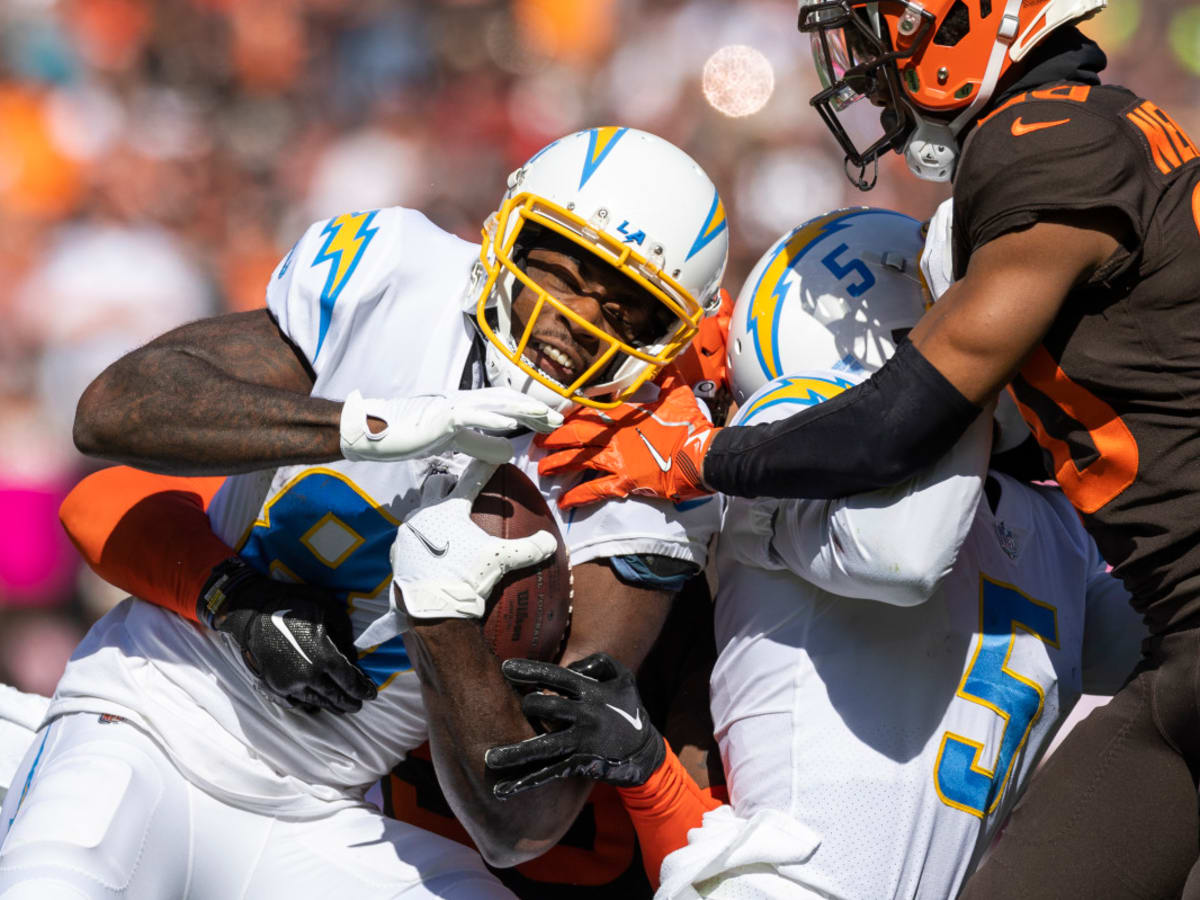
604	255
1075	240
891	665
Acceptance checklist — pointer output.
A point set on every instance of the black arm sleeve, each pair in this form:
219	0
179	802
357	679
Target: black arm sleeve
874	435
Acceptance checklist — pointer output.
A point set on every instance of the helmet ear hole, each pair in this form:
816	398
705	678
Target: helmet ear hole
954	27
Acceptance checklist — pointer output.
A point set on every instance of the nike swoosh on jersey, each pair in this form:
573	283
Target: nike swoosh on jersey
429	545
1019	128
664	464
635	722
277	621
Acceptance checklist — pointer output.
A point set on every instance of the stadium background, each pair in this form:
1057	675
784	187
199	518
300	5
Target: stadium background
158	158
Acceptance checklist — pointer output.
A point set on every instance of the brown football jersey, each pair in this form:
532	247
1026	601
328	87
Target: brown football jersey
1109	394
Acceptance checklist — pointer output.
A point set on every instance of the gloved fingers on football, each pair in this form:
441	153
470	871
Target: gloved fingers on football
517	553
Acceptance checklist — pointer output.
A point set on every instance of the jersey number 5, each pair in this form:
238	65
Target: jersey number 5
962	776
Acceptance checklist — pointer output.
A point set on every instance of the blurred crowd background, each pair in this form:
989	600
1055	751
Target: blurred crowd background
158	158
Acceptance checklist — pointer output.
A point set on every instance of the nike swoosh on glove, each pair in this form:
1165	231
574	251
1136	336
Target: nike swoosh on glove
647	449
445	565
607	735
296	638
433	423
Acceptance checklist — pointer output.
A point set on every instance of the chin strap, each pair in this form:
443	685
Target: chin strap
860	181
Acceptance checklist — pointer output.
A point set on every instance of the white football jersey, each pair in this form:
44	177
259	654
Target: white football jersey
374	302
897	732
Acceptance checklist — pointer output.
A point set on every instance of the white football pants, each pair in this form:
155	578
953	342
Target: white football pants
97	810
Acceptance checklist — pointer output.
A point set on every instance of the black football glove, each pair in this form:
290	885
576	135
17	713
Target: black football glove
293	637
607	735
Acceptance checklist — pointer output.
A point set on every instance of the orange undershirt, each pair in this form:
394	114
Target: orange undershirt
147	534
665	809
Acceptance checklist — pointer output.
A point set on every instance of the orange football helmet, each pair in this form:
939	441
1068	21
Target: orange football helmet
933	65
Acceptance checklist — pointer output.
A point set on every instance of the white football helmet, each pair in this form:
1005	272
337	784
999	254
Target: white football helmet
637	202
838	292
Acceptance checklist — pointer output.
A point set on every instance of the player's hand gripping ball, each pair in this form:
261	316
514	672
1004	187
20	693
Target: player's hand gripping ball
444	565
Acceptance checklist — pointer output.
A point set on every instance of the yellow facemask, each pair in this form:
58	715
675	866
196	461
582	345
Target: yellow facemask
500	235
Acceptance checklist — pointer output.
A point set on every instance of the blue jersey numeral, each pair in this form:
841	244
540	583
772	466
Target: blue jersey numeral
962	777
322	529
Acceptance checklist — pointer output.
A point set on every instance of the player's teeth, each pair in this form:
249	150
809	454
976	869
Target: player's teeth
558	356
529	362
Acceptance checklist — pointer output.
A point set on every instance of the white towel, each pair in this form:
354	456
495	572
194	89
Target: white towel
725	843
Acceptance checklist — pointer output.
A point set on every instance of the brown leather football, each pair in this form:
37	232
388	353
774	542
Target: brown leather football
529	611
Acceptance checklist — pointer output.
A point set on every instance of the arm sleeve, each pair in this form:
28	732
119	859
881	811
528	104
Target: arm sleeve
893	545
1112	632
147	534
874	435
664	810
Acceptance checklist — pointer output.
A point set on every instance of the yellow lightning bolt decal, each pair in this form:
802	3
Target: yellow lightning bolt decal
773	284
801	390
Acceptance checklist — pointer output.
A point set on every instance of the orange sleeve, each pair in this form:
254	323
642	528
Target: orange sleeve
664	810
147	534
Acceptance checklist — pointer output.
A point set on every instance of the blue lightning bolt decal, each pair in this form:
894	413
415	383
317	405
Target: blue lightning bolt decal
600	144
346	240
801	390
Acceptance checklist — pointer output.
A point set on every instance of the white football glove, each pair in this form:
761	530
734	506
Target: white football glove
443	563
430	424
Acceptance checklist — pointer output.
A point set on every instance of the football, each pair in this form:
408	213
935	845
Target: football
529	610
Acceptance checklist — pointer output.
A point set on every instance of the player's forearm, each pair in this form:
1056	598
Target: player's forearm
166	409
469	708
874	435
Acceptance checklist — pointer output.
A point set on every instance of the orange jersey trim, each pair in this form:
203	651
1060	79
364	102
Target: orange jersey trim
147	534
1076	93
1105	478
